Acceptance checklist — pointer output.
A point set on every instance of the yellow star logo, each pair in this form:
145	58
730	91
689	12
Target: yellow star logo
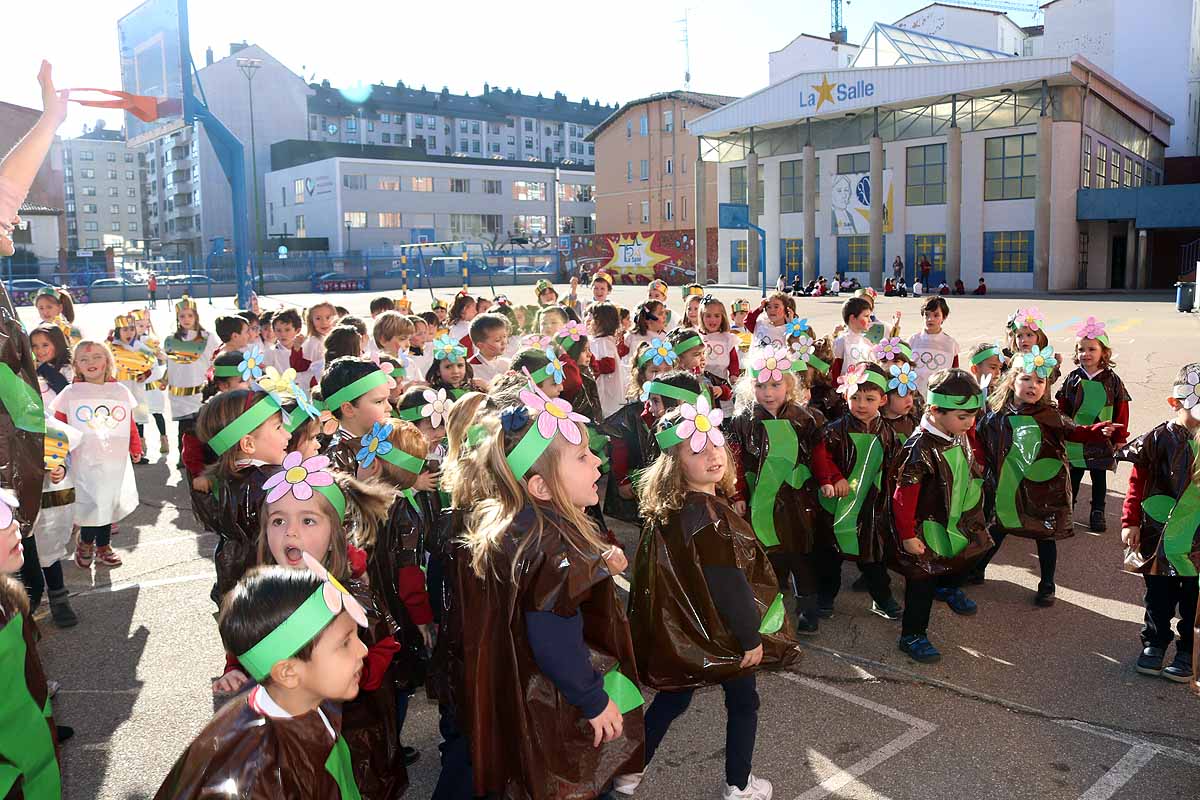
824	91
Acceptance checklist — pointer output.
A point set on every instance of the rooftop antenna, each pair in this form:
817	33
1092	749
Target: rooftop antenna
687	52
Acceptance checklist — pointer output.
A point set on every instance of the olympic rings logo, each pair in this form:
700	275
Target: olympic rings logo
102	416
931	361
716	348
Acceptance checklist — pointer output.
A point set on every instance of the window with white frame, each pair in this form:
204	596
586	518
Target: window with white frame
354	219
668	210
668	121
529	190
645	211
421	184
388	219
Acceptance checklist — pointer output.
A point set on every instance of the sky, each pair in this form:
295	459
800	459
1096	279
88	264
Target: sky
609	52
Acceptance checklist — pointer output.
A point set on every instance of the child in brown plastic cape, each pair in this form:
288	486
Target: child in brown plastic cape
1023	441
28	759
1091	392
1160	527
771	439
284	737
551	706
850	464
904	406
356	391
939	524
695	546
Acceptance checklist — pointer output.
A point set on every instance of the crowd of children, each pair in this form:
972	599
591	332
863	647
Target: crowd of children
412	501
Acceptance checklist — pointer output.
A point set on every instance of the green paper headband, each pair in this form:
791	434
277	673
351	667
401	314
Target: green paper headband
955	402
877	379
799	363
245	424
304	624
984	355
667	390
403	460
348	394
688	344
336	497
412	414
226	371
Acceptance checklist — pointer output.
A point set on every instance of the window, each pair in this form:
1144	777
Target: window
356	182
388	183
422	184
91	225
131	209
131	192
512	141
475	146
491	186
1010	167
433	143
460	185
129	158
112	174
668	211
645	211
87	173
1128	171
1008	251
462	126
93	243
791	186
528	126
1086	181
683	208
629	172
1137	174
494	147
925	181
419	122
86	155
1114	171
70	208
432	122
1101	166
113	191
629	132
851	163
629	213
385	117
737	185
133	226
88	191
116	227
737	255
668	121
474	225
128	174
643	125
668	166
354	219
528	142
575	192
388	219
386	138
89	208
529	190
298	190
1083	253
351	123
301	230
535	224
110	156
644	170
854	253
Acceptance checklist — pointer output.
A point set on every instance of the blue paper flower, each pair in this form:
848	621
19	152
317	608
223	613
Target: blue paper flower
251	364
446	349
374	444
555	368
302	401
663	352
795	327
1040	361
903	379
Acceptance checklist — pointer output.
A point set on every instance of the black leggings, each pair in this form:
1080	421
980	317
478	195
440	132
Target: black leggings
31	573
96	534
160	422
741	724
1047	550
1099	485
827	563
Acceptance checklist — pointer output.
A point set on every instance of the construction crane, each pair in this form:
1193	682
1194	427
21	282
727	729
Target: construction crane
837	30
1000	5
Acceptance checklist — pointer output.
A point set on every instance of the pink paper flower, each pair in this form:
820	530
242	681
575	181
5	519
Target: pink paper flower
701	424
337	599
1092	328
887	349
771	363
1030	318
298	476
850	380
572	330
554	415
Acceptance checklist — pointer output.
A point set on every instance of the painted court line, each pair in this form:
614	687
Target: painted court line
917	729
125	585
1120	774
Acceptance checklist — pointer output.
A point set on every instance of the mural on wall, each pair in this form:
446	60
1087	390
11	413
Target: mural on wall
638	257
850	204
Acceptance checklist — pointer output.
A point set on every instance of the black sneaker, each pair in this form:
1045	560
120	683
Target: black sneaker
1097	524
890	609
410	754
1045	595
860	584
1180	670
1150	662
807	623
975	578
824	609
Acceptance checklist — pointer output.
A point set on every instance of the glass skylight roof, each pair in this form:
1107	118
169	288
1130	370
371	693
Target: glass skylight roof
887	46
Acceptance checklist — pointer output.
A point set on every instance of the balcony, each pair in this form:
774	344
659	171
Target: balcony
181	176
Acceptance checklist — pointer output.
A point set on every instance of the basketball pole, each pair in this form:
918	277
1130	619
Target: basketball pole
231	154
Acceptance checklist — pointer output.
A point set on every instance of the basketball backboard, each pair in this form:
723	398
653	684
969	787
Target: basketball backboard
733	215
152	64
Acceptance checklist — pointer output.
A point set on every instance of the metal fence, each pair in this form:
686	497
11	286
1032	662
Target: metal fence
95	280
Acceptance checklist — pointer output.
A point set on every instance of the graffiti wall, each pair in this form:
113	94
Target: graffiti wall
638	257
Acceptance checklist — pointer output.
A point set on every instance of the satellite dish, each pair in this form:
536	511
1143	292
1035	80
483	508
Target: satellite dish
332	129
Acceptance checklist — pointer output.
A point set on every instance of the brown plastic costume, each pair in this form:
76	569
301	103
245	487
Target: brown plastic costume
1071	397
242	753
22	418
444	683
1041	509
951	484
627	426
904	427
680	638
400	543
1165	454
795	509
526	740
239	504
874	516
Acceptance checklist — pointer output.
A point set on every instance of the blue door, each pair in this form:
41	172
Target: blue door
931	246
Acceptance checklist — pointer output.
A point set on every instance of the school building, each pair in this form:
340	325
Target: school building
1035	172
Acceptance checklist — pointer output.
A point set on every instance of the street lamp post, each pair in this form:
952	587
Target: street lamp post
249	66
347	241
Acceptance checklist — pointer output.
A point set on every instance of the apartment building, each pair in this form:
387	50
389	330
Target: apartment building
103	189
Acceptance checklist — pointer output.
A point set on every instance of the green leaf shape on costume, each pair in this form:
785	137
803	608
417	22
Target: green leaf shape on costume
338	766
22	402
772	621
783	449
622	691
1158	507
1091	411
1020	463
26	747
598	444
965	492
866	472
1180	521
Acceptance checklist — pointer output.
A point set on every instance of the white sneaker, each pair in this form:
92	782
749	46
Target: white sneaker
627	784
756	789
